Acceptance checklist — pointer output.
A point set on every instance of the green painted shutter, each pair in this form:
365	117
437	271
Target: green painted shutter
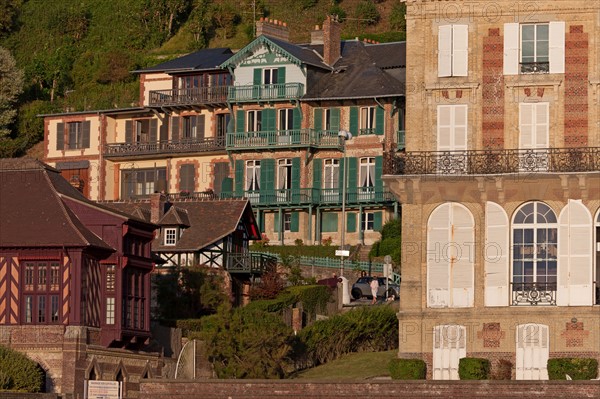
281	75
317	174
257	76
226	187
334	120
86	134
330	222
318	119
297	118
128	131
296	179
354	121
239	178
267	180
351	222
269	124
379	118
60	136
276	222
378	181
352	178
240	121
342	171
377	221
175	128
295	222
153	130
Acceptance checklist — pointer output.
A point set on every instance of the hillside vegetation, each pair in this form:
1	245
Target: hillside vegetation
78	54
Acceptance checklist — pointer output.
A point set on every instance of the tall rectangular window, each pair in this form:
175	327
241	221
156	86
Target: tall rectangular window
453	50
170	236
254	121
28	309
110	310
75	135
222	124
535	48
187	178
142	131
368	221
270	76
252	175
110	278
367	120
142	182
331	180
54	308
41	309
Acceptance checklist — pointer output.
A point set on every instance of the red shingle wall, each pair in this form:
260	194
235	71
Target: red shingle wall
493	91
576	89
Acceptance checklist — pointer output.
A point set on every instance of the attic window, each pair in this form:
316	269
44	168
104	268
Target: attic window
170	236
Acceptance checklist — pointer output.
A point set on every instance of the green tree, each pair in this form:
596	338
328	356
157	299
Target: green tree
11	85
226	17
366	11
397	16
8	11
18	372
200	23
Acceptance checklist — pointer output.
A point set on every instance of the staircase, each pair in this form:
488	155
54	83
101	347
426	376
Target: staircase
363	253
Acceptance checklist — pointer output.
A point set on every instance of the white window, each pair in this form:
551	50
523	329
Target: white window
286	119
534	48
453	50
254	119
449	346
110	310
284	180
287	222
533	350
170	236
75	135
368	220
331	178
450	257
367	120
366	178
252	175
269	76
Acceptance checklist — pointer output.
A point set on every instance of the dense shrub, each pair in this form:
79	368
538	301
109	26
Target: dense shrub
407	369
18	372
501	370
576	368
472	368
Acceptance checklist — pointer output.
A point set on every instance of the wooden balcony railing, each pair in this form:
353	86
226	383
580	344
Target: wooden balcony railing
271	92
543	160
196	95
284	138
250	262
207	144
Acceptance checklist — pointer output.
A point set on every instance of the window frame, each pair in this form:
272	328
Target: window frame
367	221
367	120
269	76
252	166
170	236
77	135
130	181
254	120
41	292
534	66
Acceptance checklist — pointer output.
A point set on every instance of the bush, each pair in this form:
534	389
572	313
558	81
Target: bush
19	372
576	368
502	370
472	368
408	369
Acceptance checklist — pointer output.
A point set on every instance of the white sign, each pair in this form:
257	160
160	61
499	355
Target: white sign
103	390
342	252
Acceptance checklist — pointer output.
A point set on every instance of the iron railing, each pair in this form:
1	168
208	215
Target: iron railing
284	138
535	67
165	147
546	160
250	262
533	293
271	92
196	95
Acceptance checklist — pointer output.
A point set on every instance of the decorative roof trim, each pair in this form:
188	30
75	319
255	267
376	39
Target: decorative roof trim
262	40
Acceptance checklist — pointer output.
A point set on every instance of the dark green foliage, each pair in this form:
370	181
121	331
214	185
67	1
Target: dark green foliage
312	297
397	16
408	369
320	251
370	329
392	229
336	9
473	368
576	368
390	242
19	372
366	11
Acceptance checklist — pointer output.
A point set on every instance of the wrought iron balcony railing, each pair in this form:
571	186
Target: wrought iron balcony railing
284	138
543	160
535	67
122	150
533	293
250	262
270	92
196	95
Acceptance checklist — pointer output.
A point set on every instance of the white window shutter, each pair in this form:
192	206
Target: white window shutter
445	127
460	50
526	125
496	255
557	47
449	346
532	352
438	272
445	51
461	252
575	285
541	128
511	49
459	125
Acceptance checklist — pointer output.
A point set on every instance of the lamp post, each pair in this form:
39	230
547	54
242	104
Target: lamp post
345	135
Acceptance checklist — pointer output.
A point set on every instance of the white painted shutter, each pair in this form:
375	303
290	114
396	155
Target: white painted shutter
445	51
496	254
449	346
452	127
460	50
526	125
444	123
438	272
511	49
461	252
557	47
541	125
575	256
459	123
532	352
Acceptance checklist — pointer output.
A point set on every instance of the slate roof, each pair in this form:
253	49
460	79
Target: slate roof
360	73
203	60
208	220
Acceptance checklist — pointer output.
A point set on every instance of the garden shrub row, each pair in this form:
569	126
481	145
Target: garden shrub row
18	372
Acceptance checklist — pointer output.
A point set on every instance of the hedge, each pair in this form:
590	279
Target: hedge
19	373
473	368
576	368
407	369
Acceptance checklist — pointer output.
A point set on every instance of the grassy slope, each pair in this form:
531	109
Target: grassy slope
354	366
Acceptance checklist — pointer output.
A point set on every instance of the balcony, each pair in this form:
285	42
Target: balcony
193	96
284	139
543	160
270	92
250	263
183	146
533	293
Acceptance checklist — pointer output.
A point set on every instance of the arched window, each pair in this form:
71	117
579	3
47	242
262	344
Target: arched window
535	250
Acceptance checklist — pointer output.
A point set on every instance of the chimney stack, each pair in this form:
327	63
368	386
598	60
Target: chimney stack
332	35
316	36
157	206
273	28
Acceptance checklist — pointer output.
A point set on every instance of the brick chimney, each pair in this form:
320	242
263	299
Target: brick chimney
316	36
157	206
273	28
332	34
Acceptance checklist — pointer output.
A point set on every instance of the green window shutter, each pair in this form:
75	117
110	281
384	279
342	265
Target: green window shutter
276	223
352	177
377	221
86	134
240	121
296	173
295	222
153	130
60	136
269	120
334	119
128	131
281	75
226	187
175	128
330	222
239	178
200	124
257	76
351	222
318	119
379	120
317	172
378	181
354	121
267	178
297	118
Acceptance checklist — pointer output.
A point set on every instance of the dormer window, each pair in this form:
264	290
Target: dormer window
170	236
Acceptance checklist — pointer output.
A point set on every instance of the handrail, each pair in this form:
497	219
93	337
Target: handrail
205	144
276	91
195	95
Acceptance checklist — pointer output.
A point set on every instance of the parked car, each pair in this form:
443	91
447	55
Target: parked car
362	288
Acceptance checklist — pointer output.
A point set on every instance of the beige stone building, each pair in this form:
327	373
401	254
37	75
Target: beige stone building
500	184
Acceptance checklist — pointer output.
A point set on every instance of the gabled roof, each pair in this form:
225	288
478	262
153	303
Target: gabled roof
297	54
175	216
359	74
203	60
